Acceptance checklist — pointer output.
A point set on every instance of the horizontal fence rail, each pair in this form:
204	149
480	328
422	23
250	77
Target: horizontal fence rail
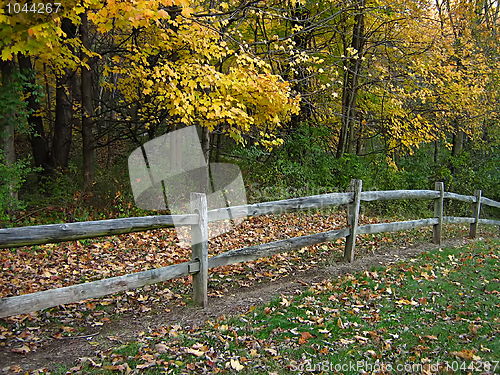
489	222
199	219
74	293
397	226
369	196
54	233
458	220
459	197
279	207
490	202
265	250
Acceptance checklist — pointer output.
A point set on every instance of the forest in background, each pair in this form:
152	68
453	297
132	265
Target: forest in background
302	95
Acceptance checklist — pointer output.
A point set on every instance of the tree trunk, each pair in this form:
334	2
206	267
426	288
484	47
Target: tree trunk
351	84
63	127
49	106
87	112
37	136
205	186
205	143
359	146
300	17
218	146
436	150
61	144
7	129
458	143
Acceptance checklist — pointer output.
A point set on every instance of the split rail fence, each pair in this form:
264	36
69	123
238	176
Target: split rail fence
198	220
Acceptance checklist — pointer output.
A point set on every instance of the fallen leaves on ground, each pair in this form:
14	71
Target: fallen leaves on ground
349	319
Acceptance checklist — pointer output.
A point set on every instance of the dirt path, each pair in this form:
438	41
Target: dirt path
66	351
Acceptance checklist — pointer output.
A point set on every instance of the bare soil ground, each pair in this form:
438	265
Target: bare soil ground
66	351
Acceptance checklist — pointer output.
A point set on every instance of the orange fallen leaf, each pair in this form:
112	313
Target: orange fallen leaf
473	328
304	336
16	369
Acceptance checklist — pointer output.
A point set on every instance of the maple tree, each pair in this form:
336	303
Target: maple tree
328	53
162	69
385	55
455	81
38	41
174	72
444	91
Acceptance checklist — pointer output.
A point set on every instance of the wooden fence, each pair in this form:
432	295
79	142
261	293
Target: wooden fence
199	219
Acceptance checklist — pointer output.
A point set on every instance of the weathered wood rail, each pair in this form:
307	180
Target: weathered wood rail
199	219
54	233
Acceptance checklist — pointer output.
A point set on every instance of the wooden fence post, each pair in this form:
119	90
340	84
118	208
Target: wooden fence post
438	213
199	245
476	211
352	219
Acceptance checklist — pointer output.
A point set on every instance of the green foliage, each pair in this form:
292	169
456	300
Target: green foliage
471	170
299	168
63	200
13	108
11	176
12	113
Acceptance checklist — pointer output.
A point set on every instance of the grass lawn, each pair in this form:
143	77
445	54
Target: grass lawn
438	314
